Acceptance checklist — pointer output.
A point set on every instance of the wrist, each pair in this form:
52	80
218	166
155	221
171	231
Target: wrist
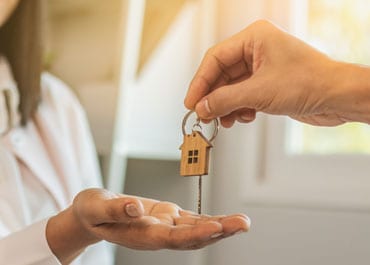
349	92
67	237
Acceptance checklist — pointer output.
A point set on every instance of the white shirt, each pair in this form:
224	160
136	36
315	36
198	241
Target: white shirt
42	167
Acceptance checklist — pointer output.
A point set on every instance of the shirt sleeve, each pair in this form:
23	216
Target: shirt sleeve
28	247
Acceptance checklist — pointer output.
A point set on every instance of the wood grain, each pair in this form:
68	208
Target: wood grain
194	155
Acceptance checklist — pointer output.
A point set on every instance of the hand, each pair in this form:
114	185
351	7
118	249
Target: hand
265	69
147	224
136	223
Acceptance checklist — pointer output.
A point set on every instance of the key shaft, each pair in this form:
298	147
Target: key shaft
200	195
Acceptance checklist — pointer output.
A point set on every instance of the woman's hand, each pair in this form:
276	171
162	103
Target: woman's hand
147	224
264	69
136	223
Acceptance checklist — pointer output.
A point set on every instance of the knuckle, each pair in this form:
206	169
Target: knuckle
261	23
211	51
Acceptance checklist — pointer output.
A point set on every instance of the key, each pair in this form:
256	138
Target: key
195	155
200	195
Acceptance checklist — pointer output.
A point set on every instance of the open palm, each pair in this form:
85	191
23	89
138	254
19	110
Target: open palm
146	224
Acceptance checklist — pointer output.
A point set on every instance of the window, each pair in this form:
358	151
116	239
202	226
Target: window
193	156
338	28
302	165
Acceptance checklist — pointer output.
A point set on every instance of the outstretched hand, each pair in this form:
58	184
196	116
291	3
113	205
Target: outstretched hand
147	224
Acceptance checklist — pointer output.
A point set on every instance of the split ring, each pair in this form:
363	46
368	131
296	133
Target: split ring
215	123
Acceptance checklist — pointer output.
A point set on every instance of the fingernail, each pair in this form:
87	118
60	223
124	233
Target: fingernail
239	232
132	210
216	235
204	105
246	117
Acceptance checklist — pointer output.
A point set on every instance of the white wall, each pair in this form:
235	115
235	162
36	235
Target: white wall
280	235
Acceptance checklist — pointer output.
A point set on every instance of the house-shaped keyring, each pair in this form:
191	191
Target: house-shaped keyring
194	154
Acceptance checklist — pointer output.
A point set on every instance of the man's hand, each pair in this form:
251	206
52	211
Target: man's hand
264	69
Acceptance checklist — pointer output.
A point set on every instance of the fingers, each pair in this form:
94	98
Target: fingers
120	210
235	224
242	97
164	236
164	207
191	220
185	236
246	115
98	206
187	230
231	224
121	219
226	61
243	116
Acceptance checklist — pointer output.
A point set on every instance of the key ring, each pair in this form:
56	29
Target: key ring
197	125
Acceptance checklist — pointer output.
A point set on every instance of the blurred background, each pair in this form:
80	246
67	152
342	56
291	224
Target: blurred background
306	189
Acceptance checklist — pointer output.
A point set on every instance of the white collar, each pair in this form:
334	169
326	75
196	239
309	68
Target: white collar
9	98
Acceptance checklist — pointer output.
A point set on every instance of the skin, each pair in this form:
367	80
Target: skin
136	223
6	9
264	69
133	222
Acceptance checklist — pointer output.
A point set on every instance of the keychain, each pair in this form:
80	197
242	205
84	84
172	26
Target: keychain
195	153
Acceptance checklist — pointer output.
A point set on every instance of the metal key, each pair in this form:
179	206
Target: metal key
200	195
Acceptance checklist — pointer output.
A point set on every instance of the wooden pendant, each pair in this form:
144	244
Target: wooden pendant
194	155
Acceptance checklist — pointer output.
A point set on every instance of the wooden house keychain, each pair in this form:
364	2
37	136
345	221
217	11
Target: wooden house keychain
195	153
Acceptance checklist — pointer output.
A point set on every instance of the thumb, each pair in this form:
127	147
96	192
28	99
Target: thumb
98	206
226	99
121	209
